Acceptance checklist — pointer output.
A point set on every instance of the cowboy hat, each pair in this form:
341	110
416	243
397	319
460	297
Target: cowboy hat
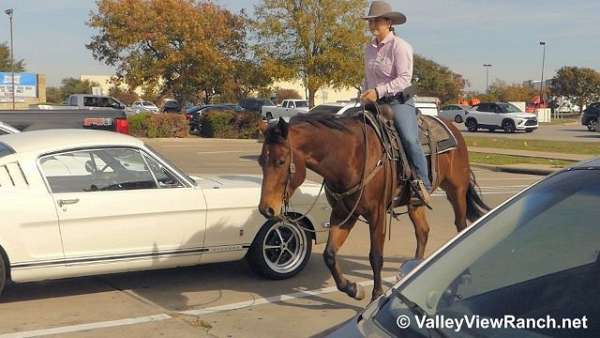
381	9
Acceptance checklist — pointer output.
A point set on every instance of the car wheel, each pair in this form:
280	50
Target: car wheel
471	125
595	125
590	126
458	119
508	126
2	274
280	250
269	116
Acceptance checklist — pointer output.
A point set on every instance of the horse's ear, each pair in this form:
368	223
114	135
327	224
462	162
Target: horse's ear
283	127
263	126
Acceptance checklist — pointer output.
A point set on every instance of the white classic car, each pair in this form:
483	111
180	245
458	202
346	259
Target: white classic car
83	202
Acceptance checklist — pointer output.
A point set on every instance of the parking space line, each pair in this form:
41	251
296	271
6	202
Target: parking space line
86	327
274	299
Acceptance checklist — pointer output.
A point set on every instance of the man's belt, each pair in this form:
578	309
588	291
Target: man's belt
401	97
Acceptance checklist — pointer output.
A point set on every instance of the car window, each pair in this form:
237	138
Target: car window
486	107
301	104
536	256
3	132
90	101
164	177
449	108
106	169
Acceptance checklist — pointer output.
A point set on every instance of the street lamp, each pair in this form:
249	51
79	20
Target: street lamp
543	44
10	12
487	77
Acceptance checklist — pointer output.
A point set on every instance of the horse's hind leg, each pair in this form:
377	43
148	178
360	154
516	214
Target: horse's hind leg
337	236
457	195
419	220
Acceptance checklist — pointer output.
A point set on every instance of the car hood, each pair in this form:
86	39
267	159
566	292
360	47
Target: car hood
235	181
523	115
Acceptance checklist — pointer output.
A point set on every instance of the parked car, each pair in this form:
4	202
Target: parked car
591	116
496	115
427	105
7	129
255	104
454	112
144	107
36	119
534	256
337	108
287	109
194	114
87	101
171	106
79	185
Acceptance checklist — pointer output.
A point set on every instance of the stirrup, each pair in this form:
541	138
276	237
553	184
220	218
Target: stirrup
421	195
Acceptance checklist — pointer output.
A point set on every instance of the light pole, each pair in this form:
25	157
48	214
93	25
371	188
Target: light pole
487	77
10	12
543	44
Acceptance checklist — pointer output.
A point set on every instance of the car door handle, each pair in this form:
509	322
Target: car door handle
62	203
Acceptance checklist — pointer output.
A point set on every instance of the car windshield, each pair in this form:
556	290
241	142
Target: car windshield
301	104
538	255
509	108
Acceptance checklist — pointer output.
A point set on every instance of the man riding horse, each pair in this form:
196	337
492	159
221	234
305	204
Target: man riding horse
388	73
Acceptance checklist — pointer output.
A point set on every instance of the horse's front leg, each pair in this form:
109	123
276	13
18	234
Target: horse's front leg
377	232
337	236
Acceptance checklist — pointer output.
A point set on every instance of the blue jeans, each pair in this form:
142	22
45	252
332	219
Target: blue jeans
405	120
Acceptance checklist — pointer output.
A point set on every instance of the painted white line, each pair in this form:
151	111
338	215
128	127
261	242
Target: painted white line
86	327
274	299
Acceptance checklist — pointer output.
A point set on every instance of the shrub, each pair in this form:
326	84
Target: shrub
230	124
158	125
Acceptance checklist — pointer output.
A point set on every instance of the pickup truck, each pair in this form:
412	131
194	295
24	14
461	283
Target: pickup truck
287	109
36	119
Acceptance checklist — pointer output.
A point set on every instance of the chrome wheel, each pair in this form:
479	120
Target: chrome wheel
284	247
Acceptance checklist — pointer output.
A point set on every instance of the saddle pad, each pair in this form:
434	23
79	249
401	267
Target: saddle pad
434	128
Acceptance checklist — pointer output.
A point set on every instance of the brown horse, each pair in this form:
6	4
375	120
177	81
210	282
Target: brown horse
334	148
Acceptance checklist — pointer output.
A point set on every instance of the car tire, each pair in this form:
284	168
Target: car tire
529	130
508	126
471	124
458	119
269	116
275	259
3	274
590	126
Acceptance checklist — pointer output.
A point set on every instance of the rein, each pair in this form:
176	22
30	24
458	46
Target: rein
360	187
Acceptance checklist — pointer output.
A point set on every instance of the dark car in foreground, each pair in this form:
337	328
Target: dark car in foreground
535	259
591	116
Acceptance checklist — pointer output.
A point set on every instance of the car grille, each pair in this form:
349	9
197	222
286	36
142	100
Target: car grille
531	122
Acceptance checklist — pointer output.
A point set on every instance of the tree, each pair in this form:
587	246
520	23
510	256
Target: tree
285	94
124	96
437	80
5	64
319	41
72	86
54	95
513	92
189	57
581	85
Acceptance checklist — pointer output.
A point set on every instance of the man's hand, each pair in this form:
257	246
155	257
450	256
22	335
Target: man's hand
370	96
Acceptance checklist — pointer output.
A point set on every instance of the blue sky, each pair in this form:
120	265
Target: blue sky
461	34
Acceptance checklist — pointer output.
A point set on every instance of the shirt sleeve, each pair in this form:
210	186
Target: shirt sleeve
403	64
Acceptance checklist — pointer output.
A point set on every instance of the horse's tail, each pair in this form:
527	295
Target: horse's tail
476	207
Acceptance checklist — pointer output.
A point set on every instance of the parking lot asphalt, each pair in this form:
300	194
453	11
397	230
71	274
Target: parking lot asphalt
227	299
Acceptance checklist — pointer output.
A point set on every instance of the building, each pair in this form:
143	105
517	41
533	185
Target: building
30	89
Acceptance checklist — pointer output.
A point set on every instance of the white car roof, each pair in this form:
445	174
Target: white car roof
42	141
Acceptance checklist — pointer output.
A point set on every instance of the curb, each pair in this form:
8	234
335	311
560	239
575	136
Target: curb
516	170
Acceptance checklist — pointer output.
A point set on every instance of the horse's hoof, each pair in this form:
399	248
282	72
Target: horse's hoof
360	292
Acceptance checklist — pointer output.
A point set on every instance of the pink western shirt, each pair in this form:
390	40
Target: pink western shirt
388	65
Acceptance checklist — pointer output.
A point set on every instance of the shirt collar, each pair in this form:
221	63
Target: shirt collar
387	39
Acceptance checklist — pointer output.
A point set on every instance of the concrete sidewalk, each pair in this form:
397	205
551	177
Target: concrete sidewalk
538	154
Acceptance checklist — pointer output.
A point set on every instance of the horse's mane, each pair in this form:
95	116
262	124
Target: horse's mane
324	119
